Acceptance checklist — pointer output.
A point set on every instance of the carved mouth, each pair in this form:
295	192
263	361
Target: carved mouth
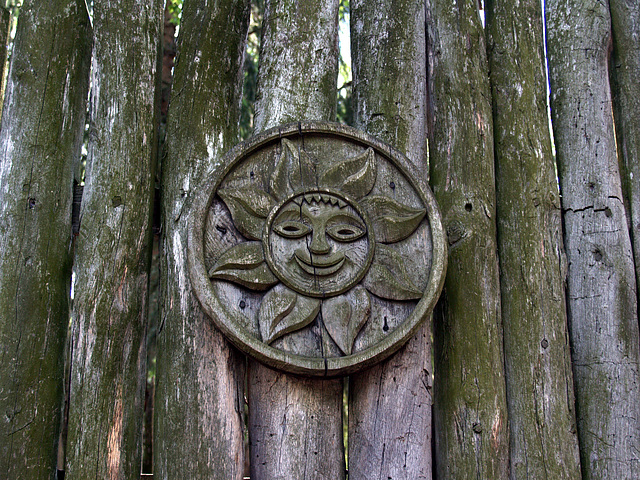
320	266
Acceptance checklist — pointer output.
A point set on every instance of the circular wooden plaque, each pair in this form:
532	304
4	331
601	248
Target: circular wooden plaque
316	248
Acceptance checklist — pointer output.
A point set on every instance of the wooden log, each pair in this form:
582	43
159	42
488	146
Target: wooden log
470	410
40	135
539	381
390	404
625	23
295	425
5	28
108	328
601	288
199	410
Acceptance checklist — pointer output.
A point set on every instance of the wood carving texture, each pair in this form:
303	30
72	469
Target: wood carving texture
108	328
624	68
390	404
469	388
601	287
541	405
199	417
295	425
44	113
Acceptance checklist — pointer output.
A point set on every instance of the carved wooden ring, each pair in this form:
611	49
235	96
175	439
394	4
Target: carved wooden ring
316	248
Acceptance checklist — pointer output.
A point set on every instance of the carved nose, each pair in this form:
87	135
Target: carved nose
319	245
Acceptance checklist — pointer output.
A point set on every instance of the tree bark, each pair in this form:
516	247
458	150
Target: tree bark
390	404
295	425
114	245
539	381
40	135
199	411
470	405
5	27
601	284
625	22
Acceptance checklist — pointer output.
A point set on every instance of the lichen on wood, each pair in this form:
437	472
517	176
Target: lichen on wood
539	381
470	410
199	411
601	286
624	68
295	425
40	136
390	404
113	248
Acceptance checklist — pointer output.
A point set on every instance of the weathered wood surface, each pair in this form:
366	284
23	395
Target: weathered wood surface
539	380
40	136
199	410
625	65
5	27
389	432
295	425
114	244
601	288
470	410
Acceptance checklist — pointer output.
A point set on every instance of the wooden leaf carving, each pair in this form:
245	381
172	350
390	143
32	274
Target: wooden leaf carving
249	207
345	315
354	176
387	276
283	311
295	170
392	221
244	264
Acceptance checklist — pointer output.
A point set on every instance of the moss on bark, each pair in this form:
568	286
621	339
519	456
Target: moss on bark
470	410
44	114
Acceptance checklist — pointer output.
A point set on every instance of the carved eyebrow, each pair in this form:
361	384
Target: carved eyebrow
346	217
290	212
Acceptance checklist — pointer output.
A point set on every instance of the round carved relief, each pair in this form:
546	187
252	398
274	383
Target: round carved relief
316	248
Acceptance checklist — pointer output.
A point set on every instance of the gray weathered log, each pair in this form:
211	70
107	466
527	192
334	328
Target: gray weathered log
41	134
539	381
390	404
5	27
295	425
199	411
108	328
470	405
625	22
601	288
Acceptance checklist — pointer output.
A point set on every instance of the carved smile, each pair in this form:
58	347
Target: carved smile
323	266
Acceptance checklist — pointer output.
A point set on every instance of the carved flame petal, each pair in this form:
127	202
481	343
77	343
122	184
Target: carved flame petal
294	171
244	264
283	311
345	315
388	278
354	176
392	221
249	207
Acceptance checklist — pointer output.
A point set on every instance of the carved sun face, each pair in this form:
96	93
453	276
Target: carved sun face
318	241
318	244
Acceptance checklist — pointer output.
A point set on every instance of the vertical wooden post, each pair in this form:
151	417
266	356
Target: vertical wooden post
390	404
199	406
625	22
5	27
601	288
540	397
114	244
295	425
41	133
470	403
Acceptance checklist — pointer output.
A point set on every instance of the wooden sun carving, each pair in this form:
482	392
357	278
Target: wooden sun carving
302	247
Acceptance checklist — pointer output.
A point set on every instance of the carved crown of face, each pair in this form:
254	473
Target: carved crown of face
318	243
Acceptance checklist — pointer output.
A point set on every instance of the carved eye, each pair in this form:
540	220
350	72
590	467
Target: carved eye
292	229
345	232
